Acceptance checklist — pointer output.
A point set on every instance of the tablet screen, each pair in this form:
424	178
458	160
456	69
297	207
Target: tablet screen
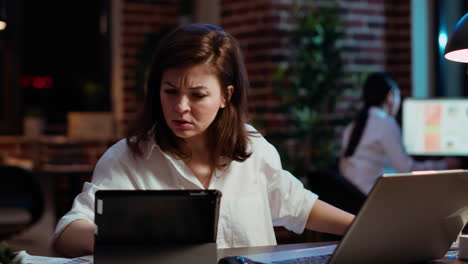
175	216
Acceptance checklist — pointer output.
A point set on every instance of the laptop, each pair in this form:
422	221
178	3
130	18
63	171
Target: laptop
156	226
407	217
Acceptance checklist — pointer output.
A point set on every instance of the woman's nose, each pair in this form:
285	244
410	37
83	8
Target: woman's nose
182	104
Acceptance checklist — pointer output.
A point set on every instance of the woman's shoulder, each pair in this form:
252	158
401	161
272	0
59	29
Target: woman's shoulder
250	128
257	143
383	124
120	154
380	116
255	137
121	149
378	113
116	151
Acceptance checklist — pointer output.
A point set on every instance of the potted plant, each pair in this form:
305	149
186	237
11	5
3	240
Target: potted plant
7	256
310	84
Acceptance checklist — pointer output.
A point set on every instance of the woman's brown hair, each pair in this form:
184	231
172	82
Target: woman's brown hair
188	46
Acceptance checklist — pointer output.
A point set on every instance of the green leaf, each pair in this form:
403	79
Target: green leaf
7	255
311	84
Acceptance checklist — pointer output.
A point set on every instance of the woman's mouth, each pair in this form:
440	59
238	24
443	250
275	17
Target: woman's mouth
182	124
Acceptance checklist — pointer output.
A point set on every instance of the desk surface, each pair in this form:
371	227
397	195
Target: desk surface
254	250
222	253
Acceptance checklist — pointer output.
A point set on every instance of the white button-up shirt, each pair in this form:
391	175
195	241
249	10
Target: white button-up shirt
380	142
257	194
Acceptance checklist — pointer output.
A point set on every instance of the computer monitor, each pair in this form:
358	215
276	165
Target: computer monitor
435	127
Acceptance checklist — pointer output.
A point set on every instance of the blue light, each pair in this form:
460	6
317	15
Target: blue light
442	40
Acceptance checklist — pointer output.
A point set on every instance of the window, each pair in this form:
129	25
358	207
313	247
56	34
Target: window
63	61
9	69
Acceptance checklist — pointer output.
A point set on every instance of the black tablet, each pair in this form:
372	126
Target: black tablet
156	216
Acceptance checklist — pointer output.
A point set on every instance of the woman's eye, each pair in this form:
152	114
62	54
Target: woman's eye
199	95
170	91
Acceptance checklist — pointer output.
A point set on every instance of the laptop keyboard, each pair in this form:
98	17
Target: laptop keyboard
312	255
305	260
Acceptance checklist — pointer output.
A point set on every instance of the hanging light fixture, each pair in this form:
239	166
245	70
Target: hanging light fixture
3	22
457	45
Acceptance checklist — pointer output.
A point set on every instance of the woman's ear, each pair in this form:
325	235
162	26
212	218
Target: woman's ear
230	90
388	102
389	99
392	102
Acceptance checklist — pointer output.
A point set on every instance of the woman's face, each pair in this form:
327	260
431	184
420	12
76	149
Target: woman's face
392	102
190	98
395	102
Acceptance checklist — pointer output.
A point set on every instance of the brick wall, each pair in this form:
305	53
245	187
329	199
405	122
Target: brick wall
377	38
139	19
398	43
257	25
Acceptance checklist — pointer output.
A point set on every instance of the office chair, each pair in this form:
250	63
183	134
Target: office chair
336	190
21	200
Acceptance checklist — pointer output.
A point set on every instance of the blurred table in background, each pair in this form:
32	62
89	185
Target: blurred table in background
65	163
68	162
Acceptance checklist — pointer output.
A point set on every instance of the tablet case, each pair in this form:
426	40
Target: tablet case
144	226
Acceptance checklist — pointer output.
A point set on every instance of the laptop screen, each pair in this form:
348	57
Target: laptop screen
436	127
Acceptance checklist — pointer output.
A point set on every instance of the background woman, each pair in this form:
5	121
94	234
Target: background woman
373	139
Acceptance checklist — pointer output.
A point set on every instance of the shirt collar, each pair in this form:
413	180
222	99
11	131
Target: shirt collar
149	148
377	111
178	164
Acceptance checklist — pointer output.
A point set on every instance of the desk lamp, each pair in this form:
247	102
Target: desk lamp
457	45
3	22
457	50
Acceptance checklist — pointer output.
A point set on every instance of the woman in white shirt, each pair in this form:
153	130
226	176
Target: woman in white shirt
192	134
374	138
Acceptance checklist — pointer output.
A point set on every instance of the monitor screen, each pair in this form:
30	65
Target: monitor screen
437	127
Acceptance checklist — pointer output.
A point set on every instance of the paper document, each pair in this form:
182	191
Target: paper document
30	259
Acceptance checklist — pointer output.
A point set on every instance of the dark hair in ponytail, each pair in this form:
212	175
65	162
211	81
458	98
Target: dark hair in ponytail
374	92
